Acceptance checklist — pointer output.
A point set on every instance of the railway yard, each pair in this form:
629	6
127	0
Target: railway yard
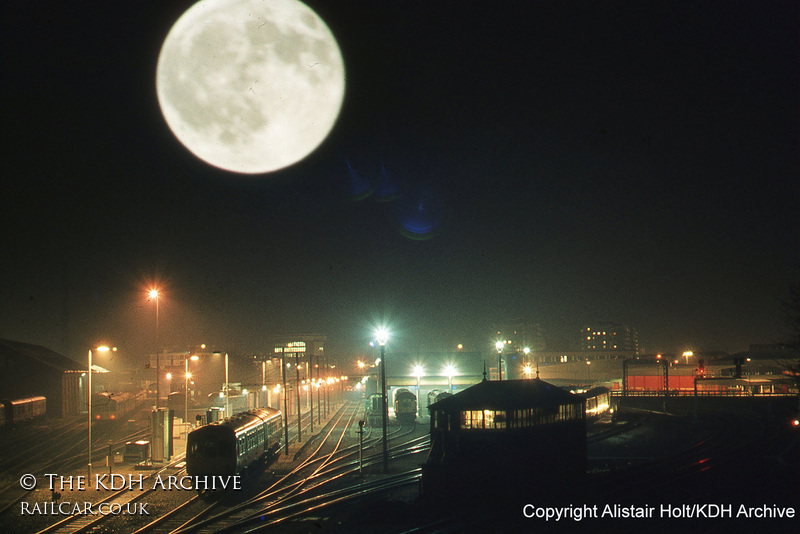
653	455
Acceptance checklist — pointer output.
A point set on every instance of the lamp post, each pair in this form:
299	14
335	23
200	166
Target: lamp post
227	392
285	404
154	295
449	371
263	383
310	388
297	391
383	337
101	348
418	371
326	385
499	347
319	393
186	378
168	376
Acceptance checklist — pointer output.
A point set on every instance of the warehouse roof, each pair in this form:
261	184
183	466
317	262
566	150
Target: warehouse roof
26	356
507	395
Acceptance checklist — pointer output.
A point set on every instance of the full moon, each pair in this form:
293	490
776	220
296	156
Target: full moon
250	86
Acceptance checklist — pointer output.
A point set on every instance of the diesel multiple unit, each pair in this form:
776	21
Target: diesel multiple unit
230	446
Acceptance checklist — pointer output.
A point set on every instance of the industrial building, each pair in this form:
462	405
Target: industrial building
46	373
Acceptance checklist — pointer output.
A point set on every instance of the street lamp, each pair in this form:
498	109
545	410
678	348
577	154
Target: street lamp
418	371
319	391
187	375
284	365
297	391
227	392
499	347
527	370
101	348
449	371
154	295
382	336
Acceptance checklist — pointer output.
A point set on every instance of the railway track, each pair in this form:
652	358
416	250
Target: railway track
121	500
335	486
288	484
54	455
330	467
37	443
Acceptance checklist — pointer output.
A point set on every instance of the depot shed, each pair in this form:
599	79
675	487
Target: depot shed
496	433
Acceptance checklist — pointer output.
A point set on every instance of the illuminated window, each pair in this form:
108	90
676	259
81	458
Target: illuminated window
488	419
472	419
500	419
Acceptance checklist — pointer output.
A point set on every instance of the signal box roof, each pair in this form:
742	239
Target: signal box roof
507	395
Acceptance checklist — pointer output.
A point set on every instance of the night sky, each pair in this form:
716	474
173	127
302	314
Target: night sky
566	162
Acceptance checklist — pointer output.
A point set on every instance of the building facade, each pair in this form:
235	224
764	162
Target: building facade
609	336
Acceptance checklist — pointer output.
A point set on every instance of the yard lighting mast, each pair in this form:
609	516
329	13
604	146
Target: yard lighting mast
499	347
382	338
101	348
154	296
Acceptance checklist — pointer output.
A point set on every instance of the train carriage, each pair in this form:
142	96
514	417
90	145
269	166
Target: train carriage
21	410
443	395
598	401
432	396
114	406
405	406
229	447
